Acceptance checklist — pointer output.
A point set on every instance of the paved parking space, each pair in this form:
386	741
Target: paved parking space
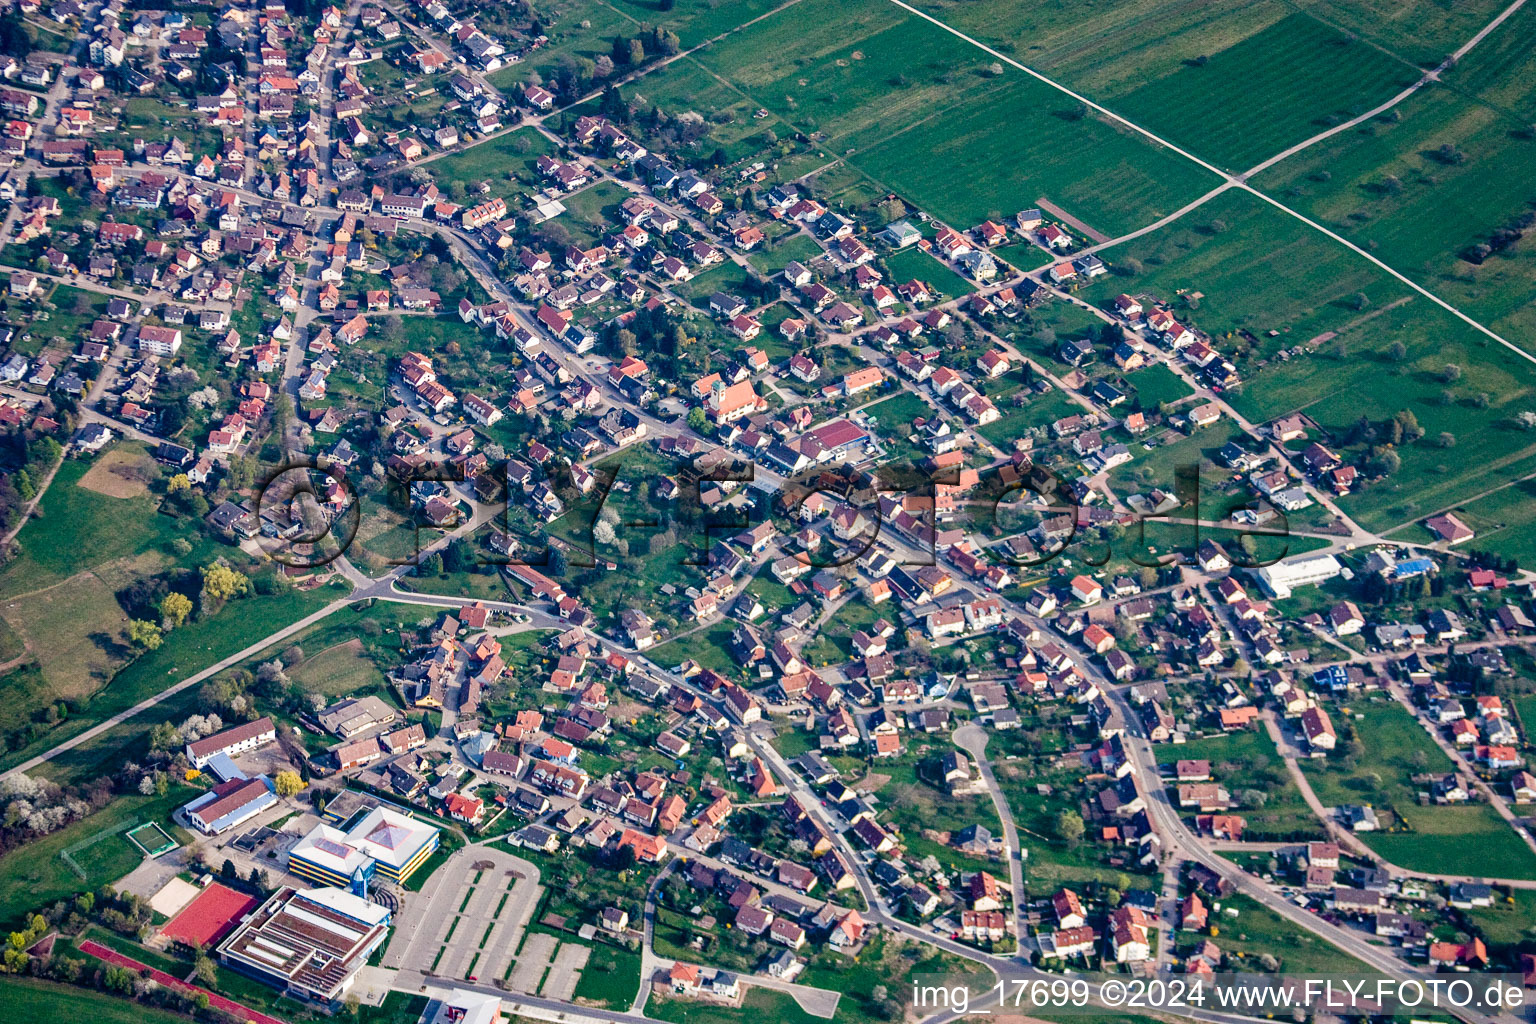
468	918
565	972
531	962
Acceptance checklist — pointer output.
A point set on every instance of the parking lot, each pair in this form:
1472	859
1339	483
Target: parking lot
468	920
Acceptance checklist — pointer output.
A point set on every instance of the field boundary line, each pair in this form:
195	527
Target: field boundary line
189	681
1517	481
1230	178
1432	75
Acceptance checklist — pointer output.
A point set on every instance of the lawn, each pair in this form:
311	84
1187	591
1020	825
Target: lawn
1467	840
1245	270
1039	412
894	417
1393	747
1506	924
76	309
76	528
592	212
1445	840
1050	863
727	277
611	978
1157	468
757	1004
771	259
707	646
1248	760
1157	384
913	263
1505	521
35	874
339	670
892	964
30	999
185	651
505	160
1258	930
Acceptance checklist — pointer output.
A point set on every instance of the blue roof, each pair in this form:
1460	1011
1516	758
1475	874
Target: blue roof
226	769
1414	567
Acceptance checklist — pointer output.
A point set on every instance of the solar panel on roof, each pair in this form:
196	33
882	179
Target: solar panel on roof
333	848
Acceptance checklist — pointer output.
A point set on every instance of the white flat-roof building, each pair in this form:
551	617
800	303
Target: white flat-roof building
384	843
463	1008
1280	579
308	944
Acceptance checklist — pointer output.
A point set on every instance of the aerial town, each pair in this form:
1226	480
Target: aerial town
672	511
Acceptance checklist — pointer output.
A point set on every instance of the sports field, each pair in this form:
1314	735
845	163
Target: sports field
36	874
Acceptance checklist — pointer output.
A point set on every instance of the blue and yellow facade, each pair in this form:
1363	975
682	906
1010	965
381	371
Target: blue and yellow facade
384	844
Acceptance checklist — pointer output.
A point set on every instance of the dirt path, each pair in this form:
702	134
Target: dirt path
1051	208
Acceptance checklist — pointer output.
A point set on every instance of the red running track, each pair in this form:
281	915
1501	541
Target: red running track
116	959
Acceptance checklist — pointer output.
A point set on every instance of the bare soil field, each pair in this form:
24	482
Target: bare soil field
120	473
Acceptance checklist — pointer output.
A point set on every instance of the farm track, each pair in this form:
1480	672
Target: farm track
1240	181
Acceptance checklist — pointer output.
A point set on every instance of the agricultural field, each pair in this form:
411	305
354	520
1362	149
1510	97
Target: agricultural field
79	528
1126	42
1261	282
186	650
1441	174
1246	102
938	123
